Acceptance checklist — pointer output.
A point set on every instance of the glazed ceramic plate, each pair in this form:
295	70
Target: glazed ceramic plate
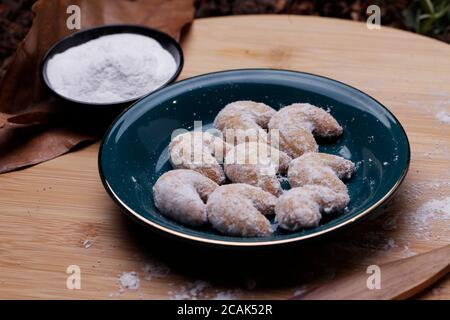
134	151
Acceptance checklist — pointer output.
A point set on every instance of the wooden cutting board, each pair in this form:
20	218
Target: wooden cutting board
402	279
57	214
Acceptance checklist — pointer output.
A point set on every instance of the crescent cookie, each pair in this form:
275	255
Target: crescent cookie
199	151
239	210
292	128
316	184
300	208
243	121
181	195
320	169
256	164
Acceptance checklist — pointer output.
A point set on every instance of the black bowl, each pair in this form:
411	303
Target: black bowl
80	37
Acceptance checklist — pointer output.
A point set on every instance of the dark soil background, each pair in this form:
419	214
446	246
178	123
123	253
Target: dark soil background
354	10
15	20
414	15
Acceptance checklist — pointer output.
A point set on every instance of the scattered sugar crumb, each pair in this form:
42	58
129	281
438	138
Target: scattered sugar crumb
358	164
439	149
300	291
87	243
191	291
129	280
390	223
443	116
155	270
282	179
407	252
376	240
200	289
345	153
432	214
436	291
274	226
390	244
226	295
433	210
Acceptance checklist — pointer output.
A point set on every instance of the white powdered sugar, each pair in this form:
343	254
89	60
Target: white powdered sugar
111	68
443	116
407	252
425	219
191	291
345	152
203	290
226	295
155	270
129	280
431	211
87	243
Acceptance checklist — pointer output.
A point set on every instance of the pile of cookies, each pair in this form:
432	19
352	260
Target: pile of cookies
231	180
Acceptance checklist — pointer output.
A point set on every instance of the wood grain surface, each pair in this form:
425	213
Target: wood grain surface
50	213
402	279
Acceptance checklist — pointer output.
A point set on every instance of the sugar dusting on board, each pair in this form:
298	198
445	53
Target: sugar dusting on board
435	210
111	68
407	252
129	280
155	270
203	290
423	218
420	211
443	116
87	243
191	291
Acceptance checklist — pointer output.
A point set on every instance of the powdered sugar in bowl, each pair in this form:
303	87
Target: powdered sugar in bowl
111	65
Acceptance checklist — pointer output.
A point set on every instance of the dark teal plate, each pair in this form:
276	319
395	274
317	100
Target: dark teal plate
134	151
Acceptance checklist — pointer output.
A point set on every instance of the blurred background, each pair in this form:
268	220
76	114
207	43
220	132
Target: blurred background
428	17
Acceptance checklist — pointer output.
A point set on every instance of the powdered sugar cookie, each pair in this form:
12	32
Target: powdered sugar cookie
316	184
199	151
242	121
239	209
256	164
292	128
300	208
181	195
320	169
